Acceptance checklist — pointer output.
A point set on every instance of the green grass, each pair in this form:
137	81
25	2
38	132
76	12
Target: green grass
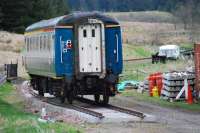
139	70
157	101
13	118
187	46
136	51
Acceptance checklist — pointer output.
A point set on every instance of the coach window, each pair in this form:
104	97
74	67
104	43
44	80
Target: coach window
40	43
93	32
33	43
84	33
37	42
49	42
28	46
46	42
27	42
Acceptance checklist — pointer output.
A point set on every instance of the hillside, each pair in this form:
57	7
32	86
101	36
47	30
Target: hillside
11	41
122	5
151	28
11	45
144	16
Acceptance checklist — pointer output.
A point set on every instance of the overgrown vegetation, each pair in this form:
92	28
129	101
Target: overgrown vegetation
13	119
157	101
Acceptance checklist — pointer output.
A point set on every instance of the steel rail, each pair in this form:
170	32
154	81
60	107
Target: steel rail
74	107
112	107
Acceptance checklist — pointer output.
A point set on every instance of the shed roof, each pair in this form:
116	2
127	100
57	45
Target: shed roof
70	19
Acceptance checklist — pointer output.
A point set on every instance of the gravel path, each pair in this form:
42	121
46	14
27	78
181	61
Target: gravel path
169	120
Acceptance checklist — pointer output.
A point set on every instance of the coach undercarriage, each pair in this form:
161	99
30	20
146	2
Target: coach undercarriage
101	89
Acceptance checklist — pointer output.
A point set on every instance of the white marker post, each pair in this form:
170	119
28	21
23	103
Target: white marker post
185	88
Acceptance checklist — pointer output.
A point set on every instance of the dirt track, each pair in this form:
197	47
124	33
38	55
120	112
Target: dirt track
169	120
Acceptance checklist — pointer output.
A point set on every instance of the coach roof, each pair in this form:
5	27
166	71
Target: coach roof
70	20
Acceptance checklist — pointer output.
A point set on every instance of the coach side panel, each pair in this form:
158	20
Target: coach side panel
39	58
64	52
114	59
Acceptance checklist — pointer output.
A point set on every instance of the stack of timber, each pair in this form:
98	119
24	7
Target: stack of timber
174	82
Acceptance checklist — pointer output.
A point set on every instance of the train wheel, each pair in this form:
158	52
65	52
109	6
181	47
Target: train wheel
62	98
70	97
40	90
39	87
106	99
62	93
97	98
106	96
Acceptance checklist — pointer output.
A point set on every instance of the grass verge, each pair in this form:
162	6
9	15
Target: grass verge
13	118
157	101
139	70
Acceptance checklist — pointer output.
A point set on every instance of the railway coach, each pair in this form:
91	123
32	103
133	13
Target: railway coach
76	54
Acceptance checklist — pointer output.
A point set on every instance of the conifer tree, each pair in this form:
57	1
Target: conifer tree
18	14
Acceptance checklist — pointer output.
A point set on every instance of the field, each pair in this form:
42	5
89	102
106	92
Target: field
151	27
13	118
144	16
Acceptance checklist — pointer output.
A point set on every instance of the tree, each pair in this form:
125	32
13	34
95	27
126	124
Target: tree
19	14
1	17
123	5
188	13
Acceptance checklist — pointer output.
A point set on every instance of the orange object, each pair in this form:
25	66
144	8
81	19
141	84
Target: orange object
155	80
152	84
159	82
190	98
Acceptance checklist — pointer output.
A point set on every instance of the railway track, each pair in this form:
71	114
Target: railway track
88	111
112	107
73	107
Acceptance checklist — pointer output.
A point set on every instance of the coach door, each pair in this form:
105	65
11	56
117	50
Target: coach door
90	48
